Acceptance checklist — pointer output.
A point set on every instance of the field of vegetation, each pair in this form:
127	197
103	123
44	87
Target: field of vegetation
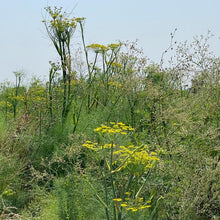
111	135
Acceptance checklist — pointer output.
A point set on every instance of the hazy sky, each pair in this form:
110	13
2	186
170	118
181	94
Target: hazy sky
25	46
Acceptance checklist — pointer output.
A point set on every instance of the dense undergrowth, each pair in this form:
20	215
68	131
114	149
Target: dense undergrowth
112	137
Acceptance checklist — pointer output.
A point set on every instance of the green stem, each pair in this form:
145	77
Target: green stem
106	195
137	194
78	116
97	195
112	182
84	47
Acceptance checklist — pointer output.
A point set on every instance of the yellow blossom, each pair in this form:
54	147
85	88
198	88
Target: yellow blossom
90	145
146	206
114	128
114	46
140	199
117	200
98	48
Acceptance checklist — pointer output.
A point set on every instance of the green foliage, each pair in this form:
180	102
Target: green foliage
54	166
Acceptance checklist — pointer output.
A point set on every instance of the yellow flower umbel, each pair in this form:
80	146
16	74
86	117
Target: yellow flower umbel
117	200
114	128
98	48
115	46
136	159
116	84
135	205
90	145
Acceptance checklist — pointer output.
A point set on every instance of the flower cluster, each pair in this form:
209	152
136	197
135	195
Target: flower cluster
94	146
90	145
98	48
117	65
116	84
37	94
114	128
8	192
132	204
60	23
102	48
114	46
79	20
136	159
107	146
5	104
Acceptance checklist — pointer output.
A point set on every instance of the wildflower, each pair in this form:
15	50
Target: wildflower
80	19
140	199
118	65
132	209
117	200
114	46
107	146
114	128
90	145
144	207
98	48
98	129
135	158
116	84
55	16
123	133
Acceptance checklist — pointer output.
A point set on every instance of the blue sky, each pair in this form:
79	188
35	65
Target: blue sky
25	45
